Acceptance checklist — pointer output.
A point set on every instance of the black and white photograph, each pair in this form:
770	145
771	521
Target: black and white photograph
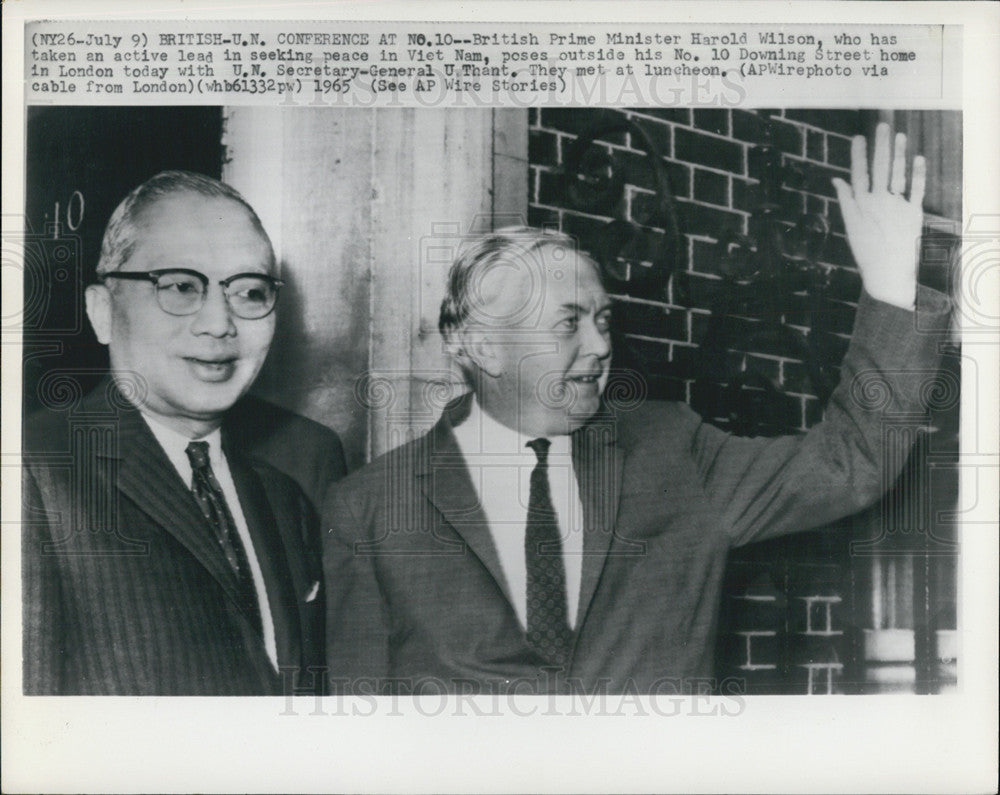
723	290
365	402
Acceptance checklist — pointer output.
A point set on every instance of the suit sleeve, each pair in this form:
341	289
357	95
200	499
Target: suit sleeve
358	627
307	451
312	615
327	465
768	487
41	600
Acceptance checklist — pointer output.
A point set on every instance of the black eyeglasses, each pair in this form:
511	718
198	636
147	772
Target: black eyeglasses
180	291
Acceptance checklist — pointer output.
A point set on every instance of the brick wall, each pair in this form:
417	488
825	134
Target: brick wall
782	628
712	174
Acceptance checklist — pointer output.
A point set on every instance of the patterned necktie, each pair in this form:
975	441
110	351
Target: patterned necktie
549	633
212	502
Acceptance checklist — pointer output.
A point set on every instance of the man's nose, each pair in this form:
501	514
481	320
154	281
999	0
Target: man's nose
597	342
215	318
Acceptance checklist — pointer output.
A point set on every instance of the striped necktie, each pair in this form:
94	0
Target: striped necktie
212	502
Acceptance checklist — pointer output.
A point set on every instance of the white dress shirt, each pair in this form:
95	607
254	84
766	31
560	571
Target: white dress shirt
175	446
500	465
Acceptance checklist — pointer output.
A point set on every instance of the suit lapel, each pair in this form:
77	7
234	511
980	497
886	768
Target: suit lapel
147	478
444	478
271	557
597	461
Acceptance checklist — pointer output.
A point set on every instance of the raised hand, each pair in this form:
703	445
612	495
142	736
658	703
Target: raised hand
883	226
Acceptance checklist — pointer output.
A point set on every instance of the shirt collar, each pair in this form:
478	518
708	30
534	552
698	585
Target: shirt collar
175	444
479	433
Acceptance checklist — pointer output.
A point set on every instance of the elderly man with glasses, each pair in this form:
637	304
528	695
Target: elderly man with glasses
158	559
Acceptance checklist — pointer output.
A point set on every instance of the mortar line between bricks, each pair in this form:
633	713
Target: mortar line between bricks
709	133
813	128
804	159
666	122
701	203
704	275
589	217
644	338
824	163
631	299
562	135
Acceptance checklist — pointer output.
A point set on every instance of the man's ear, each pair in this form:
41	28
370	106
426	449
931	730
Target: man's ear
476	347
99	311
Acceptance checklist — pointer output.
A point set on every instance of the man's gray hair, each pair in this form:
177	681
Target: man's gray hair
121	234
467	271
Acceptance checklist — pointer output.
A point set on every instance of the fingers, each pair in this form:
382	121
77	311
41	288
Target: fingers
898	183
880	160
859	164
882	176
848	206
919	181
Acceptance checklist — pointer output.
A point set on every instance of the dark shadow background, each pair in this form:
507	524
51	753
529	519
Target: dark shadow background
81	162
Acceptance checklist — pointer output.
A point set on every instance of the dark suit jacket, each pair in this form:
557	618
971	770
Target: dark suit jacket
125	590
417	595
308	452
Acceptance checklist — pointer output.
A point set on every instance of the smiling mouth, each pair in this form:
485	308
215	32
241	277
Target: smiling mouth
212	369
584	379
217	360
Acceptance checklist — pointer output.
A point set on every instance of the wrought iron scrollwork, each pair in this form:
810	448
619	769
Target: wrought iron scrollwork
642	252
594	180
761	270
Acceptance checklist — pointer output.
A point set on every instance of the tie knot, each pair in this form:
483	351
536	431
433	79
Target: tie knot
541	448
197	453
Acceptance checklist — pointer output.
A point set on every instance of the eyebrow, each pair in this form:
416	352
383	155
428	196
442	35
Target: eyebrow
582	310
